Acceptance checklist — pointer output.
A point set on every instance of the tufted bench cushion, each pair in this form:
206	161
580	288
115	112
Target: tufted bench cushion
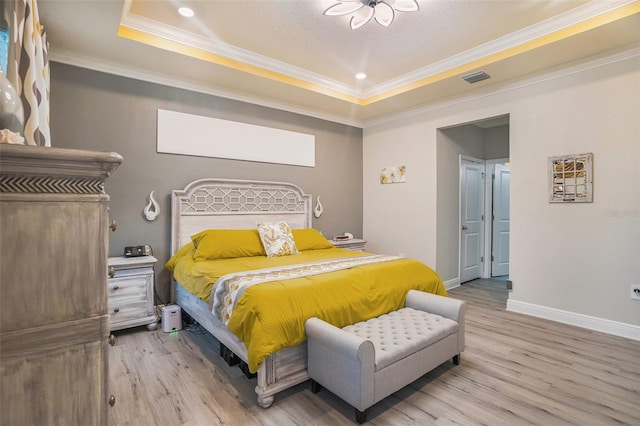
401	333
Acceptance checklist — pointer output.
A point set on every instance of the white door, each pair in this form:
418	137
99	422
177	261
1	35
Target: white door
501	221
471	219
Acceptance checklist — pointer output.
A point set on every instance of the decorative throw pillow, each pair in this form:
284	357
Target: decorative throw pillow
227	243
310	239
277	239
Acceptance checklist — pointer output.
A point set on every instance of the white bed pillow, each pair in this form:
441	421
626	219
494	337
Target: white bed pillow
277	239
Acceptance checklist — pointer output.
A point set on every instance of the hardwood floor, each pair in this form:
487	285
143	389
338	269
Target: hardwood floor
516	370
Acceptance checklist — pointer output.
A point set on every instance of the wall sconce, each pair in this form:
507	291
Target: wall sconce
152	210
317	211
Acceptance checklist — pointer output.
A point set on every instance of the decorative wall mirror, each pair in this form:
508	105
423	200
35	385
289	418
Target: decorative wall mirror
571	178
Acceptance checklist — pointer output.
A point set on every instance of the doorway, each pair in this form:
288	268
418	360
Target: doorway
484	197
465	254
484	218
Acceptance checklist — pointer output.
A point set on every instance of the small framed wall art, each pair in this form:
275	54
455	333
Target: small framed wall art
571	178
394	174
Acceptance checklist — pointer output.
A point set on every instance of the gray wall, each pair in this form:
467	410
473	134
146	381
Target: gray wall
471	140
102	112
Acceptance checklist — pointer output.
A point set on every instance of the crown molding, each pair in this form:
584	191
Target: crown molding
68	58
144	75
510	86
228	55
526	35
217	47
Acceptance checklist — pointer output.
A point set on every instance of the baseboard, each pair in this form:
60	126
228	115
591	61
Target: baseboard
449	284
585	321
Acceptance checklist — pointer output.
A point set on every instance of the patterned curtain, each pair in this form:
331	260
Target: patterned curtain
32	71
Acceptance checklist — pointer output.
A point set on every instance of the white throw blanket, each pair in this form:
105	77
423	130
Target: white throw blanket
228	289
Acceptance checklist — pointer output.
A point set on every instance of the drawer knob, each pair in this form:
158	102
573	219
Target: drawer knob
112	400
113	225
116	310
112	340
112	271
116	287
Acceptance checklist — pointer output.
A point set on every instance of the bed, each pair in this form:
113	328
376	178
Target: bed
207	205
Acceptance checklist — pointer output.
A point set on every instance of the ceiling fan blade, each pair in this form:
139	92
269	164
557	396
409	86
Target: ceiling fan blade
361	17
404	5
344	8
384	14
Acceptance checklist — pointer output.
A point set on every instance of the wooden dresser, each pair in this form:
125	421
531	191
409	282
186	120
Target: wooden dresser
54	324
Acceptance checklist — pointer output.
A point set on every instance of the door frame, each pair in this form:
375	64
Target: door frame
488	211
461	158
488	206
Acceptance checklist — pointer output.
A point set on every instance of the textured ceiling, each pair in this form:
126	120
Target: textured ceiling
288	55
296	33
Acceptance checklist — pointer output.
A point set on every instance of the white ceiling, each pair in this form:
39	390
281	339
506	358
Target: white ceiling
287	54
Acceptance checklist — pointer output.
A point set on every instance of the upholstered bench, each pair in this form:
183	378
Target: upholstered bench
365	362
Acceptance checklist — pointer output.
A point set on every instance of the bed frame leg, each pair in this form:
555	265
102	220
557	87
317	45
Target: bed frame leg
265	401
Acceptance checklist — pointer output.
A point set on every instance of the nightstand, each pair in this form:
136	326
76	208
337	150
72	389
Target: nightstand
352	244
130	289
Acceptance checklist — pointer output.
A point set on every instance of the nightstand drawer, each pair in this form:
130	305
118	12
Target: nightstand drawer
132	309
119	288
128	298
131	272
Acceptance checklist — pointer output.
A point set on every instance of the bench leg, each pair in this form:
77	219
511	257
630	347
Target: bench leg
361	416
315	386
456	359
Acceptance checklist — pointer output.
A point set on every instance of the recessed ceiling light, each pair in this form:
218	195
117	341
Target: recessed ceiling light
361	76
186	12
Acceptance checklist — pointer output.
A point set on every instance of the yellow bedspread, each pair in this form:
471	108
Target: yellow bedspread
270	316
